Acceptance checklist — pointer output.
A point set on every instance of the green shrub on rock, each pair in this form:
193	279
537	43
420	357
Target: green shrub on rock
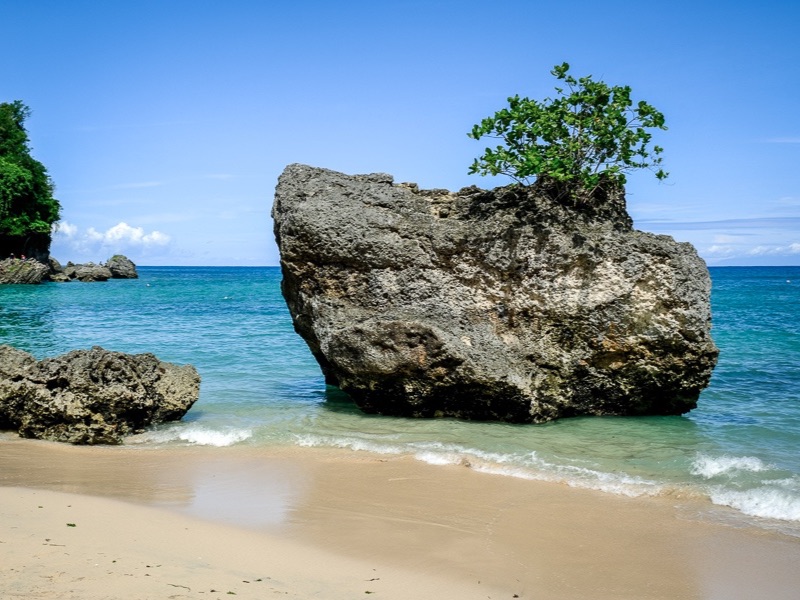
589	135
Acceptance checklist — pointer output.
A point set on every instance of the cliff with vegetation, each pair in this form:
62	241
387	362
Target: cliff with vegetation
27	206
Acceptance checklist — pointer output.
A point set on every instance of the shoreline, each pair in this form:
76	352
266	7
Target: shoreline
448	530
73	547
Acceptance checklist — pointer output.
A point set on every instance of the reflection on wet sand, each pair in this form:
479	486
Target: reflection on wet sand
203	482
529	538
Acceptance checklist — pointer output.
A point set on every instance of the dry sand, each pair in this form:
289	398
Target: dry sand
308	523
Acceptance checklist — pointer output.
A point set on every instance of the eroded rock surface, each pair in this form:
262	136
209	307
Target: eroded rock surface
27	271
15	270
87	272
91	396
506	304
121	267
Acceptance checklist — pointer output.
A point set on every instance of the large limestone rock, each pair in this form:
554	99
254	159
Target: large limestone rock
91	396
509	304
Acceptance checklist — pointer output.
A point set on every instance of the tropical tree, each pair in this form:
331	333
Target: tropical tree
590	134
27	205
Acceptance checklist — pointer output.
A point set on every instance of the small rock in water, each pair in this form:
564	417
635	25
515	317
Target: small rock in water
91	396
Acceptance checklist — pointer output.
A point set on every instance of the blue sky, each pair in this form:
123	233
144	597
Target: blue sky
165	124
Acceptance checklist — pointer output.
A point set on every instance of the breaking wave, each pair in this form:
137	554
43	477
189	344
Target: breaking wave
709	467
197	435
523	466
769	501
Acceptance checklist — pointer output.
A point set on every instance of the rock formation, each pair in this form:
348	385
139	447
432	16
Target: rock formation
87	272
33	271
121	267
516	304
17	270
91	396
116	267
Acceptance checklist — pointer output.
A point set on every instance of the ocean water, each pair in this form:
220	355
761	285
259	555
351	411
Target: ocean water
261	387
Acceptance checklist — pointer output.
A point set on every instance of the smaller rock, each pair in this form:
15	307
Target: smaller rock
55	266
59	277
91	396
87	272
17	270
121	267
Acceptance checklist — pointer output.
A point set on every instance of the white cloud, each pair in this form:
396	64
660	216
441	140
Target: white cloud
64	229
123	235
121	238
720	250
793	248
739	252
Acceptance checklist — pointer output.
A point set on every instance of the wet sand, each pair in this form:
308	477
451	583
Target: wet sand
311	523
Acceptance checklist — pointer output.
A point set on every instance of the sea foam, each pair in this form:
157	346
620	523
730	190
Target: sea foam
210	437
530	466
350	443
709	467
521	466
766	502
196	435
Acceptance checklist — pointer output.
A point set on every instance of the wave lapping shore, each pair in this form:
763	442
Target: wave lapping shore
197	522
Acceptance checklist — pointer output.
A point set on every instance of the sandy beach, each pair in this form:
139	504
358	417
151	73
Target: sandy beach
132	523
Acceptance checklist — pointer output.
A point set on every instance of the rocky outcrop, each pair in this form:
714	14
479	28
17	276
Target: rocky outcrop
14	270
116	267
54	265
87	272
121	267
517	304
17	270
91	396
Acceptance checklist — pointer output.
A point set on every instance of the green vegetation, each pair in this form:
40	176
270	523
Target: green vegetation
588	135
27	206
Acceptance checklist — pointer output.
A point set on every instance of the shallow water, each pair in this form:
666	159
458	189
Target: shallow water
261	386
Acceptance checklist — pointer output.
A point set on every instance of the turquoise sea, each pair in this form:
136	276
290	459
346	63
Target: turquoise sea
261	387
